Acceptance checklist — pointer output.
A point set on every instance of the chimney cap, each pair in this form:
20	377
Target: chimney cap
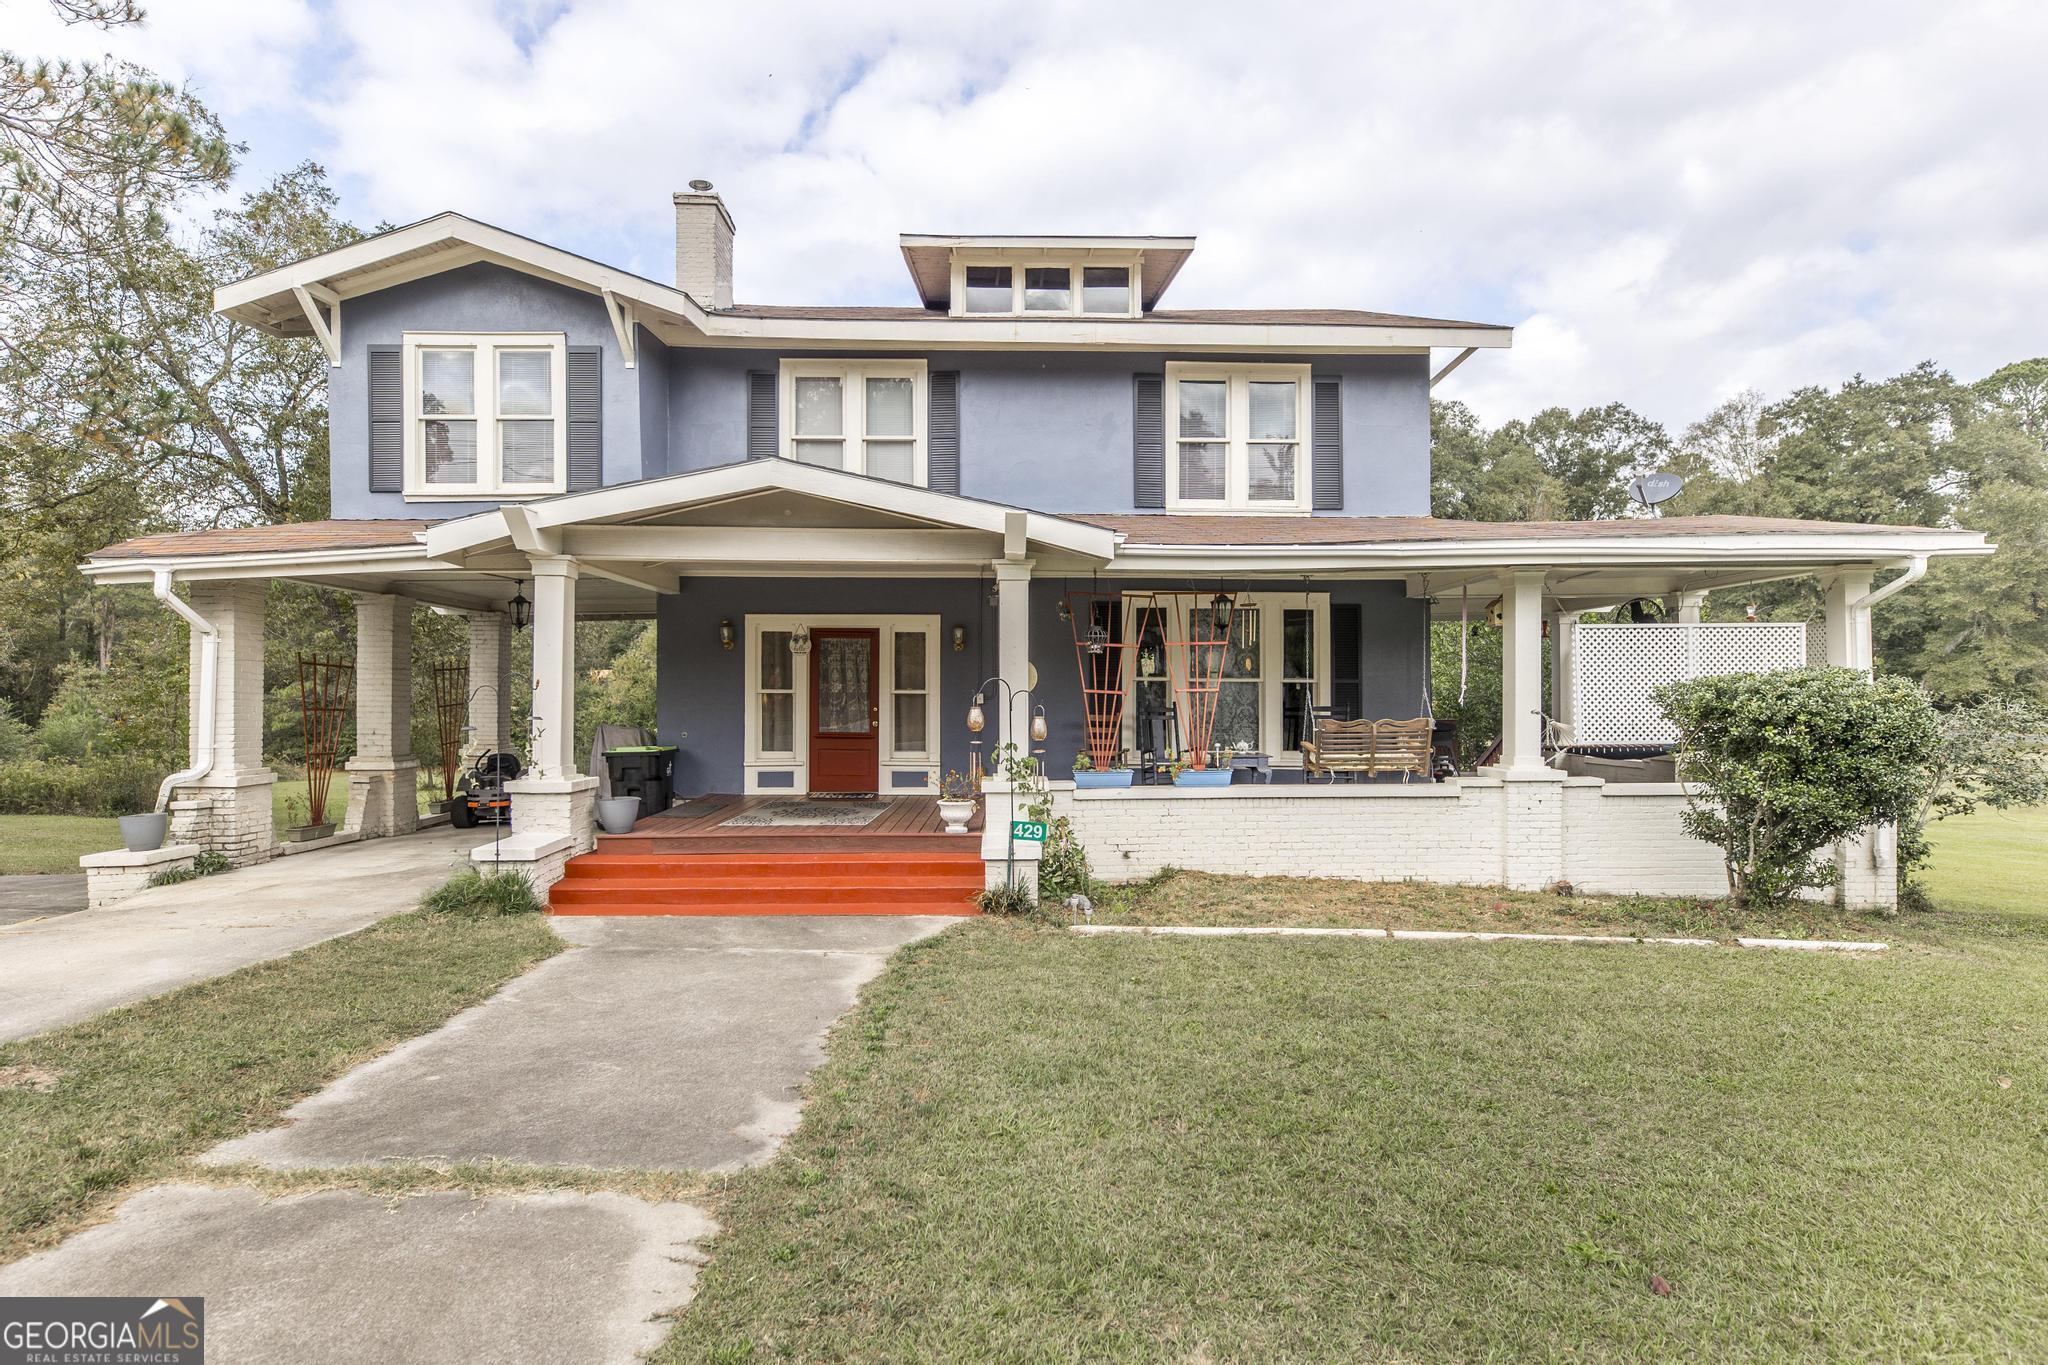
701	186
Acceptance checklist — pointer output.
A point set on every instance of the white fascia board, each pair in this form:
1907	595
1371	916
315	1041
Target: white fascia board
1758	550
450	539
1029	242
277	563
1131	334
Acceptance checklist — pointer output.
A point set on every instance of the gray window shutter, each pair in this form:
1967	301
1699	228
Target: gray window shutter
761	415
942	433
387	420
586	418
1326	430
1347	660
1148	440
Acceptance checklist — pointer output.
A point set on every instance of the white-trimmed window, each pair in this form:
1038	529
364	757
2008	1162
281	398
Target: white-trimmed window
1034	286
1237	437
486	414
1277	669
863	416
910	693
775	723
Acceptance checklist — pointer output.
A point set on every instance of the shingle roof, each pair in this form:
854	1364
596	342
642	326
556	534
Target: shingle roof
1250	317
1155	528
366	534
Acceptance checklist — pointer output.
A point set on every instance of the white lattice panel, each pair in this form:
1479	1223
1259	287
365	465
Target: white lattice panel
1616	668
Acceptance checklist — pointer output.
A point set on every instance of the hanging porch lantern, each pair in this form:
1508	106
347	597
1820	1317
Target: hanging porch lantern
520	609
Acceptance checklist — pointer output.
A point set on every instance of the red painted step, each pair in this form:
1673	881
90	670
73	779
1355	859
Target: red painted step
857	882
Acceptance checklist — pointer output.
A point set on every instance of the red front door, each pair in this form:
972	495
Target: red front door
846	711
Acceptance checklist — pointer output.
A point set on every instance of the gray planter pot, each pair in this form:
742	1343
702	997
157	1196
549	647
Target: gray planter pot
617	813
306	834
144	833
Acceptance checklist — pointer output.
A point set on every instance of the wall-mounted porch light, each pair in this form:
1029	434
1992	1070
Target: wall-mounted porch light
959	639
519	608
725	634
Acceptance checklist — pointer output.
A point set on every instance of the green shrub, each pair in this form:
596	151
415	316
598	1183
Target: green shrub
33	786
480	895
1785	764
14	736
1014	901
204	865
1064	870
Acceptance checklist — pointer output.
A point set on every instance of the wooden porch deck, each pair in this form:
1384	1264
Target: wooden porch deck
697	825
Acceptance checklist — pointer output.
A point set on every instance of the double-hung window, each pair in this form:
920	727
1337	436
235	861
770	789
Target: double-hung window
486	415
863	416
1236	437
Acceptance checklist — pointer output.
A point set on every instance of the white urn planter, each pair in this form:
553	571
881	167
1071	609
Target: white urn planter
956	814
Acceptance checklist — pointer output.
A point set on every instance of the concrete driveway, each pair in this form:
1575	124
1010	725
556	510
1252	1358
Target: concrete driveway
37	895
658	1044
61	970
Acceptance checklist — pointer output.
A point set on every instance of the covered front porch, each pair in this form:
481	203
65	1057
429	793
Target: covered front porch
825	634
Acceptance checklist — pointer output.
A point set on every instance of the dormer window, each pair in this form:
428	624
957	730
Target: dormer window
1046	287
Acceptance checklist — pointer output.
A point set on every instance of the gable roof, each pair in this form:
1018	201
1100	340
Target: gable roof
272	302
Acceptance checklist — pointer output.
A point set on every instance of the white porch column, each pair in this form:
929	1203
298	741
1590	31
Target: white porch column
1690	606
490	684
1013	644
1869	862
1521	671
1532	809
383	776
554	807
1848	625
227	809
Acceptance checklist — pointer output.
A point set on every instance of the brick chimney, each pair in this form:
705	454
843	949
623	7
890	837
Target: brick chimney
703	246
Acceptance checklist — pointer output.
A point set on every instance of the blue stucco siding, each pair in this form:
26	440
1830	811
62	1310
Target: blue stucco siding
479	298
1053	431
701	696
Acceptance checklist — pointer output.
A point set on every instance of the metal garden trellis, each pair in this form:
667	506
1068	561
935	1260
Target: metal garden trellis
1100	653
451	715
1195	631
325	686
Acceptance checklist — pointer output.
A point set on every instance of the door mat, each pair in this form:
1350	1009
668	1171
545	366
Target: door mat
806	811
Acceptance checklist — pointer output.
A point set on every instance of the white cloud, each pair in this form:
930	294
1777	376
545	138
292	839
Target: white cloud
1672	202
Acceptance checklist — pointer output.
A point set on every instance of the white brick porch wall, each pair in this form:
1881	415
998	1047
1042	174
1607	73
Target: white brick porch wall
1601	837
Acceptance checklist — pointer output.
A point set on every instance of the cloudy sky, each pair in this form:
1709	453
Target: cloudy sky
1670	202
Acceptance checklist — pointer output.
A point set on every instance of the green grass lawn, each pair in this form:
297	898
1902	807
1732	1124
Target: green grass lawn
1991	860
92	1110
1029	1145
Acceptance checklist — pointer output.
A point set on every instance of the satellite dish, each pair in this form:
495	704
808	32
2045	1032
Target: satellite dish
1651	489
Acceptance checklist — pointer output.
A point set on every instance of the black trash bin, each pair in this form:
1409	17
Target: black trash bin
646	771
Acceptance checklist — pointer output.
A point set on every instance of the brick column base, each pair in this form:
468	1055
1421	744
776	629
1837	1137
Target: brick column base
1869	864
554	806
231	817
1532	842
383	797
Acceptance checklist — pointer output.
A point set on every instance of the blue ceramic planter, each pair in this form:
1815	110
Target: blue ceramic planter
1204	777
1108	777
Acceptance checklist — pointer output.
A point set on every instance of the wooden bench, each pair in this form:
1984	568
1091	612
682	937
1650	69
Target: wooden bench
1370	747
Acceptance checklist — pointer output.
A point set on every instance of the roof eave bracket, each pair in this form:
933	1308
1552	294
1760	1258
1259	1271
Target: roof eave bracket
328	329
621	315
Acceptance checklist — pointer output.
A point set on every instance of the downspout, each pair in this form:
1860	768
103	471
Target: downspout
1915	571
209	666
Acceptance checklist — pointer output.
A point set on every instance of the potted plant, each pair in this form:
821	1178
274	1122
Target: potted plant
956	801
144	833
300	829
1185	776
1088	777
617	814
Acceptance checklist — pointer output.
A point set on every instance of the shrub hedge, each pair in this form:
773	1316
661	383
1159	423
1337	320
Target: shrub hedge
33	786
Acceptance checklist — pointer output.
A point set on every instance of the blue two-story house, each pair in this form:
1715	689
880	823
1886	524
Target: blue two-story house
1154	536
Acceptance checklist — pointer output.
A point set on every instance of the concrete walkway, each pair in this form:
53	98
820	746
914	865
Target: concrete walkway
343	1277
61	970
659	1044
